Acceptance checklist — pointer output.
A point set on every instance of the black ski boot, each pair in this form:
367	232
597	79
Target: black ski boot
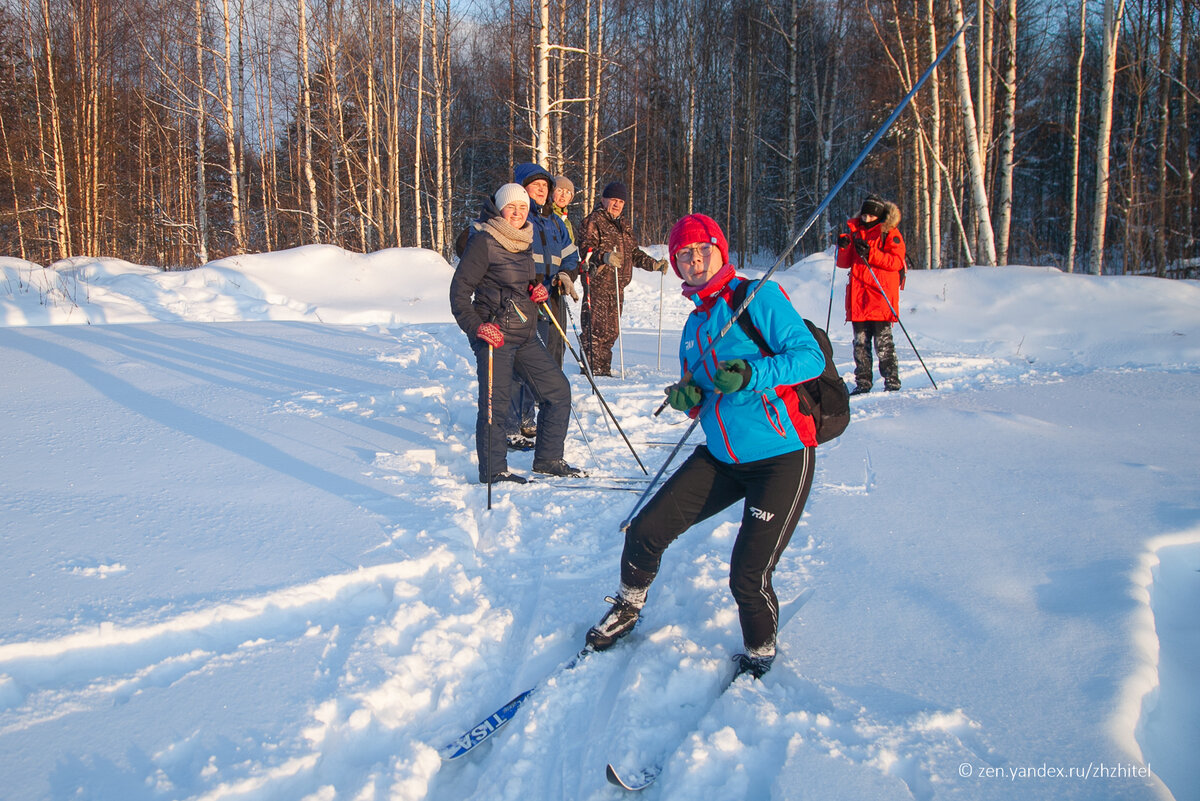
756	666
504	475
557	467
619	621
520	442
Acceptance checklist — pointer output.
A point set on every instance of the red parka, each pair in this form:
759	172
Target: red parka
864	300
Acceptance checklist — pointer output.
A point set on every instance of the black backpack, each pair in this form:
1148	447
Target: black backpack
824	398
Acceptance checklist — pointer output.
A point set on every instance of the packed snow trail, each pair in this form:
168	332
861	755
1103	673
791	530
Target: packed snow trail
246	560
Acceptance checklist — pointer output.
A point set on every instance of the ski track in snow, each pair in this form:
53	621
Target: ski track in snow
406	672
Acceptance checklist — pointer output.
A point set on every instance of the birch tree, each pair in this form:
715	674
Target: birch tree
1008	132
201	141
986	249
1114	11
1073	202
306	116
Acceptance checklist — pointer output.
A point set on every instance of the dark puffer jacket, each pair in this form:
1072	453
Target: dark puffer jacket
491	285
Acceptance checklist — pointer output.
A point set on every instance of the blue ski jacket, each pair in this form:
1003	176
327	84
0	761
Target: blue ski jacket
553	250
763	419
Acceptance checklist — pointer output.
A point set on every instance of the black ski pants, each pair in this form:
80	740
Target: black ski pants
520	412
774	492
550	387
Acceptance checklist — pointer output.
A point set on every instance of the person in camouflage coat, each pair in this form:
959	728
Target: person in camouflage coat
614	251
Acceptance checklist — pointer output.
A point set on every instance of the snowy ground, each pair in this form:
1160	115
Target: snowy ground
244	557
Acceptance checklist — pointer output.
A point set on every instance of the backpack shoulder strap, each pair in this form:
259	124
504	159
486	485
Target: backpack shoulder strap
744	322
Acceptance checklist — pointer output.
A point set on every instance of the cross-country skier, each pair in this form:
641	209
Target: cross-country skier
494	297
760	448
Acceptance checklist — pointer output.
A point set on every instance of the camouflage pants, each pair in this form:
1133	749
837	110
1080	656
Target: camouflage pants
885	347
601	321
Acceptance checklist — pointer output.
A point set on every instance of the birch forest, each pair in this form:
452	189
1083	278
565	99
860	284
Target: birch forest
174	132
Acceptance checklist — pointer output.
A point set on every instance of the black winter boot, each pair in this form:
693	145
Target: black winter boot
618	622
504	475
557	467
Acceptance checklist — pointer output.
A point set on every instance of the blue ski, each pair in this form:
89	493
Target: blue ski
644	777
480	732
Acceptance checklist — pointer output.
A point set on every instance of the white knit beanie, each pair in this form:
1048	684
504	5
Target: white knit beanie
510	193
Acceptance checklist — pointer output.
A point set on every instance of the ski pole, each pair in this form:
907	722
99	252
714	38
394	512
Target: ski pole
832	278
583	360
620	339
661	281
489	431
585	311
598	395
654	481
892	308
858	160
575	414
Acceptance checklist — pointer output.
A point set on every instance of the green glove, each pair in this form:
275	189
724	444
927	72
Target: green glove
732	376
683	398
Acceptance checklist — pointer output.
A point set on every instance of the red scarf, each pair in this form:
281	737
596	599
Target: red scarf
710	290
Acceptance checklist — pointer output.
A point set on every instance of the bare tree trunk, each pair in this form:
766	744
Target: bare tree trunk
58	152
558	147
1008	133
374	188
418	130
12	176
974	155
1073	203
691	125
201	125
441	62
1185	137
791	195
231	136
306	113
1114	11
597	86
935	146
1166	52
394	127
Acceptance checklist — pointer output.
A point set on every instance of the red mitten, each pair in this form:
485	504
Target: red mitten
538	293
491	334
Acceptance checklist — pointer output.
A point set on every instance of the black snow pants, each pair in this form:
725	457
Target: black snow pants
774	491
534	366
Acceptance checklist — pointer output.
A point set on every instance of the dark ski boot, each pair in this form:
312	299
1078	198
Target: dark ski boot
618	622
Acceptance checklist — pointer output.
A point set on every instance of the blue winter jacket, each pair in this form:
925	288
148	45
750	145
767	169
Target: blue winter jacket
763	419
553	250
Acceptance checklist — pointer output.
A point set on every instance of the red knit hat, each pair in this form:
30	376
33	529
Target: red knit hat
696	229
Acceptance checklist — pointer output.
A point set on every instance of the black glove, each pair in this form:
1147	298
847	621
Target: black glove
844	241
863	247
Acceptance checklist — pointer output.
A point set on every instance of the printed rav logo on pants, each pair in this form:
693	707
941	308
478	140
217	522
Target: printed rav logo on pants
759	514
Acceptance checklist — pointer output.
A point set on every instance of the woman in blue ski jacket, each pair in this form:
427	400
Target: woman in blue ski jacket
759	448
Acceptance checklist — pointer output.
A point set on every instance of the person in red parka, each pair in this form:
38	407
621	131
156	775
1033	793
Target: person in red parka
873	251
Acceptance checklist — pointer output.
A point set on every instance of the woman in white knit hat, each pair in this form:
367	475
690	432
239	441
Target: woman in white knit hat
494	298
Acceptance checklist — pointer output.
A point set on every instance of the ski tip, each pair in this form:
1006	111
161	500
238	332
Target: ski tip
483	730
641	781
